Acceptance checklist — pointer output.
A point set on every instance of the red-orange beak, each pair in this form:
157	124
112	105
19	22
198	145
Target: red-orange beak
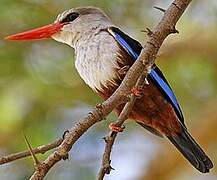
39	33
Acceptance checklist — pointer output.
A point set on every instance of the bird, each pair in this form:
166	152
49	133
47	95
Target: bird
103	55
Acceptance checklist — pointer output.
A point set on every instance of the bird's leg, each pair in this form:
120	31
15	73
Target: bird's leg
137	91
115	128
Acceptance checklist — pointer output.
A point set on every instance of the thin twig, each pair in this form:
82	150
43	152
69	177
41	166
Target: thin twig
110	139
36	161
160	9
39	150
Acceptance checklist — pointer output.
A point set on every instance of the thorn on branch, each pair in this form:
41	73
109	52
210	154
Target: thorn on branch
108	168
66	157
174	31
177	6
155	46
123	126
99	106
90	113
64	134
128	97
160	9
106	139
36	161
148	31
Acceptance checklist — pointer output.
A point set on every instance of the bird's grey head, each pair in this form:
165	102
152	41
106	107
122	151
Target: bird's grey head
95	49
80	23
69	27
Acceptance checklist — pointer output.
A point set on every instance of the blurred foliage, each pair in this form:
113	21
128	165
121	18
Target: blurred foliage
42	94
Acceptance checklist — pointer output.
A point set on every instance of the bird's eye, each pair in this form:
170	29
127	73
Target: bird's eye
70	17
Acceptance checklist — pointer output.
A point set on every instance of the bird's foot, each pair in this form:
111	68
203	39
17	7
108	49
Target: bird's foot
116	128
137	91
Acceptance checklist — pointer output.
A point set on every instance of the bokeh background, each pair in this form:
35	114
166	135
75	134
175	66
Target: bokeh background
42	94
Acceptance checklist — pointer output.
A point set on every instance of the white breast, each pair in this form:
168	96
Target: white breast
96	60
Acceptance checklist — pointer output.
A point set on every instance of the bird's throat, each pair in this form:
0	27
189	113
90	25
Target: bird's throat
96	60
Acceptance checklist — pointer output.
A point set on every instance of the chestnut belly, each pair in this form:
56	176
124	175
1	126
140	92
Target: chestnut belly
152	110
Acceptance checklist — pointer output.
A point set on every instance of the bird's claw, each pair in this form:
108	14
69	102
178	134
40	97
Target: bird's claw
115	128
137	91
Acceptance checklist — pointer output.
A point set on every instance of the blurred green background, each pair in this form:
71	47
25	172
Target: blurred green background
42	94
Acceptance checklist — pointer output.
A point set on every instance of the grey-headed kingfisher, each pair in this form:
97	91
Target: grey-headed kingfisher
102	53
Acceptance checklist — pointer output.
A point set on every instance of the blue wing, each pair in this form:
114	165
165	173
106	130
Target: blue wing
156	76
